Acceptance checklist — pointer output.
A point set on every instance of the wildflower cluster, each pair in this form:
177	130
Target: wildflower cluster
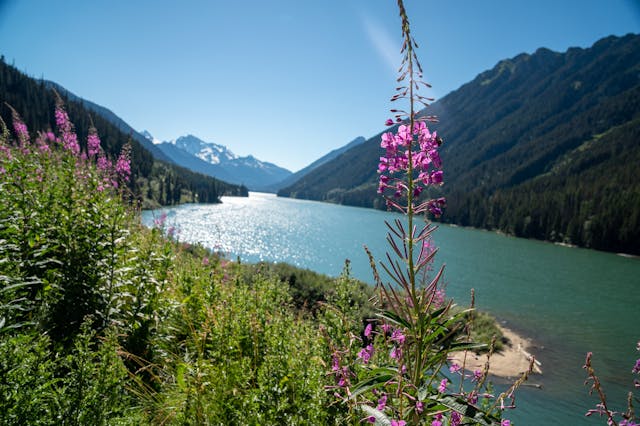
112	174
412	154
395	372
614	418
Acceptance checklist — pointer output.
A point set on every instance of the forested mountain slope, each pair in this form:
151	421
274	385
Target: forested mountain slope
154	182
543	146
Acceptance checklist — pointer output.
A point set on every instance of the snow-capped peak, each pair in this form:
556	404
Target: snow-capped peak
150	137
206	151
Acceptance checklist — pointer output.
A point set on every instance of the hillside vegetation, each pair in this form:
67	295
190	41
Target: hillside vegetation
541	146
154	182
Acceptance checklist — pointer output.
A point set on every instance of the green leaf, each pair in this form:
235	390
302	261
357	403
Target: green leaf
467	410
381	418
371	383
394	318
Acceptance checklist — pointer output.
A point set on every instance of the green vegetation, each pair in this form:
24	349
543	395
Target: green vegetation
103	321
153	182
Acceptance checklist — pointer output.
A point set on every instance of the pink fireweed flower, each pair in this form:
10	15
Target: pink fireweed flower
385	328
43	139
21	129
335	363
123	165
437	421
398	336
382	402
439	297
455	419
421	147
367	330
159	222
454	368
68	137
477	375
366	353
442	388
419	407
398	423
396	353
389	122
505	422
93	142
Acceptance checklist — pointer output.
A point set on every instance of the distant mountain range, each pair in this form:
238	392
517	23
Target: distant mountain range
544	145
319	162
217	160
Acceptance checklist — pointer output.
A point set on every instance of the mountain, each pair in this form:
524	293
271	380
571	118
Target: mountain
217	160
543	145
154	182
290	180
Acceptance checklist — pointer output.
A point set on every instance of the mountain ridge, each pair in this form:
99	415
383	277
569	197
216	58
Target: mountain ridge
507	130
218	161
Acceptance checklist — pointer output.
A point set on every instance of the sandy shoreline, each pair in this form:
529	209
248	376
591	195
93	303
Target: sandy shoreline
511	362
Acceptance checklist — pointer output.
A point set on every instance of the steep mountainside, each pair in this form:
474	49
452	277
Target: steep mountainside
154	182
319	162
541	146
110	116
217	160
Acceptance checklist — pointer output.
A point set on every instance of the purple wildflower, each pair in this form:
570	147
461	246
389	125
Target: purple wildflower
505	422
398	423
371	419
21	129
398	336
418	147
396	353
367	330
93	142
160	221
477	375
455	418
366	353
442	388
437	421
335	363
454	368
69	138
419	407
382	402
123	165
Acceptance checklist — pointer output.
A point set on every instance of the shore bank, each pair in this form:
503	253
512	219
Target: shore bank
511	362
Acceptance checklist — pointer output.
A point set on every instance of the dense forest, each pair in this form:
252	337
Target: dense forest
543	146
154	182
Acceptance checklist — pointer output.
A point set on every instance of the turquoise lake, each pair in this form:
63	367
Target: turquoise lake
568	301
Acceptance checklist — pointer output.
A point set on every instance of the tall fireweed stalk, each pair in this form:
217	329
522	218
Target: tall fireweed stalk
602	409
401	372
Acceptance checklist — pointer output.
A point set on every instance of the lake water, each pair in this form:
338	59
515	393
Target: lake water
568	301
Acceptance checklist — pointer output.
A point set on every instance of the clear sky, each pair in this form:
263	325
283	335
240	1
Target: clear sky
284	80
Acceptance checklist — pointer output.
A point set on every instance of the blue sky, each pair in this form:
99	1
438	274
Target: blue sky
284	80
